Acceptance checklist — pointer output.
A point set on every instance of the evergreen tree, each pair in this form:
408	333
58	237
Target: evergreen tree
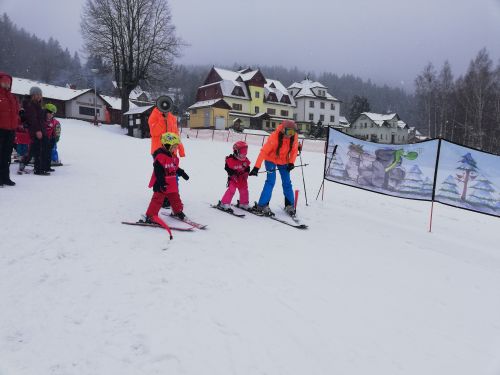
482	193
413	181
468	172
359	105
449	189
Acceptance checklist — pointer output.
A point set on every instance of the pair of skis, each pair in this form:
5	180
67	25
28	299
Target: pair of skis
296	222
191	225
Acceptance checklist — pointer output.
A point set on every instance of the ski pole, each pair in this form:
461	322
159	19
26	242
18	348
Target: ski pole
303	179
275	169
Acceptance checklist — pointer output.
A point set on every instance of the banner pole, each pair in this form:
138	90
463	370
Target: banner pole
438	154
324	172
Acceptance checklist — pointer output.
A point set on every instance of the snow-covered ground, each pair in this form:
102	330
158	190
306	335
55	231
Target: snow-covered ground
366	290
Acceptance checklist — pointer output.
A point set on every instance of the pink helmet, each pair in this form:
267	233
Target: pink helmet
240	149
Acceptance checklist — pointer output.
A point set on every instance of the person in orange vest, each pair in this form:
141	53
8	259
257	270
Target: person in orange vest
160	123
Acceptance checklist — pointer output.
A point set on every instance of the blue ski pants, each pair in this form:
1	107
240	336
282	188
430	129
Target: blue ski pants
267	192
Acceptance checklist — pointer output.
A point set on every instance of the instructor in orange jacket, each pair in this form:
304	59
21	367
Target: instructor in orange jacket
160	123
278	153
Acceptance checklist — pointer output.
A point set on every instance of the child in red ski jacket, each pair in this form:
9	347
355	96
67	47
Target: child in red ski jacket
237	167
164	179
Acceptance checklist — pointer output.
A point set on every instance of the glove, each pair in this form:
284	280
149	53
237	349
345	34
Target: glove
180	172
254	171
289	167
247	169
159	186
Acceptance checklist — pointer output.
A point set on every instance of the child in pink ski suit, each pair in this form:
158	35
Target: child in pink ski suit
237	168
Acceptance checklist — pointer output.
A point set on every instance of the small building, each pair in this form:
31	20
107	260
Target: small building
314	105
212	113
80	104
381	128
415	136
137	121
114	108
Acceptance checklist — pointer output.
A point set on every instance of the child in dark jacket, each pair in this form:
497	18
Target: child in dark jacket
164	179
237	167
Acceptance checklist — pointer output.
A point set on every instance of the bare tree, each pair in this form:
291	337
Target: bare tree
426	95
133	37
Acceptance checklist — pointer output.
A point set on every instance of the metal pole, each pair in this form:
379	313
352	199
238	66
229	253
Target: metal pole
95	100
303	179
324	172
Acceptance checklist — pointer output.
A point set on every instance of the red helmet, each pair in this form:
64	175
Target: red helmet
240	149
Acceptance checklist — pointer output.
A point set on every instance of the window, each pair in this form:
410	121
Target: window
257	94
271	111
268	124
87	111
257	109
311	117
311	104
322	105
321	117
193	111
371	125
332	118
295	116
366	125
273	125
238	91
332	106
284	113
237	107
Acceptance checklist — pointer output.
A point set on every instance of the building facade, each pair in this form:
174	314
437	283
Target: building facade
314	105
380	128
212	113
82	104
254	101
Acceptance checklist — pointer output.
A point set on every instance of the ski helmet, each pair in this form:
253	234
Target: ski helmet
49	107
240	149
170	139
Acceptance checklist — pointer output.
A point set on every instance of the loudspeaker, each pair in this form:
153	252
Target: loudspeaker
165	104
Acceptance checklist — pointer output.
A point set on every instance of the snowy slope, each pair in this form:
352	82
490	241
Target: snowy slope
366	290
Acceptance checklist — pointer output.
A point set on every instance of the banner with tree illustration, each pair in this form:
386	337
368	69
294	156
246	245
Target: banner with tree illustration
468	178
405	171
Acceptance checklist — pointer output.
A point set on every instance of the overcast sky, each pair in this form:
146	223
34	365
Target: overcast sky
388	41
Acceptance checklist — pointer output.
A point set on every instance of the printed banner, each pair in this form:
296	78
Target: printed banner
405	171
468	179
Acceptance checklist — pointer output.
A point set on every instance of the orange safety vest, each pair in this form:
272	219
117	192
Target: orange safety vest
160	123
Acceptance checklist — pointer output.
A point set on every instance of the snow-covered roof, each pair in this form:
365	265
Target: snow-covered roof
206	103
305	89
402	124
279	89
135	93
21	86
137	110
379	118
227	74
116	103
343	121
227	87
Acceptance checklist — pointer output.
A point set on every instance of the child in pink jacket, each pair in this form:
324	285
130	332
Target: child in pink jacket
237	168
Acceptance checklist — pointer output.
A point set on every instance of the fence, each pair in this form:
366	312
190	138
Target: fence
435	170
311	145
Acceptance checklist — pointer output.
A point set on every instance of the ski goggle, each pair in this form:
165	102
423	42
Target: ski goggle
289	131
242	152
